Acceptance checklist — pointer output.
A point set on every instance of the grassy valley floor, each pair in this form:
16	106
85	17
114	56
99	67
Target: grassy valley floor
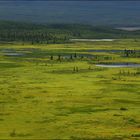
58	92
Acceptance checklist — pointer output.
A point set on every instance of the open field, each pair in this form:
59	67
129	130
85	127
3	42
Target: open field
56	91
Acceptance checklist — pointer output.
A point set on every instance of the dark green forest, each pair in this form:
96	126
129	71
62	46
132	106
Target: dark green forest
58	33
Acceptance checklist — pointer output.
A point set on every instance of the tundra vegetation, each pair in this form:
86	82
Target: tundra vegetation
56	91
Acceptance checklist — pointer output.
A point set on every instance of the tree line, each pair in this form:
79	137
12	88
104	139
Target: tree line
57	33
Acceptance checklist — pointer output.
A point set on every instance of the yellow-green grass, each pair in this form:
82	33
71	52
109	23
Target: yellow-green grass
50	99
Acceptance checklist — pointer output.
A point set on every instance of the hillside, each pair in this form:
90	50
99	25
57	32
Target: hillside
58	33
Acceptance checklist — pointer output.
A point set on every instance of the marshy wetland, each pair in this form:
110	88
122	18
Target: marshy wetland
58	91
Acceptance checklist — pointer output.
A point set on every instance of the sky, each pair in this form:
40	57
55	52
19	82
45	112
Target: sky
83	12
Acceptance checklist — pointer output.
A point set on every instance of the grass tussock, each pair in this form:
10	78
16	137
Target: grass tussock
56	91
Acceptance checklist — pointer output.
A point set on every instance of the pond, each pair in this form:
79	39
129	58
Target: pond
118	65
13	54
92	40
112	51
129	28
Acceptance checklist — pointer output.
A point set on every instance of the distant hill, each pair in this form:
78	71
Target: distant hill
94	12
58	33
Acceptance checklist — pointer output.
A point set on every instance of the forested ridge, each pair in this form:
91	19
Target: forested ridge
57	33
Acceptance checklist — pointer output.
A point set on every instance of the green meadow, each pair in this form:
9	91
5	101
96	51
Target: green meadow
57	91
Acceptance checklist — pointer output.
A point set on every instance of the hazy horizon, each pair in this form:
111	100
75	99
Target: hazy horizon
83	12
